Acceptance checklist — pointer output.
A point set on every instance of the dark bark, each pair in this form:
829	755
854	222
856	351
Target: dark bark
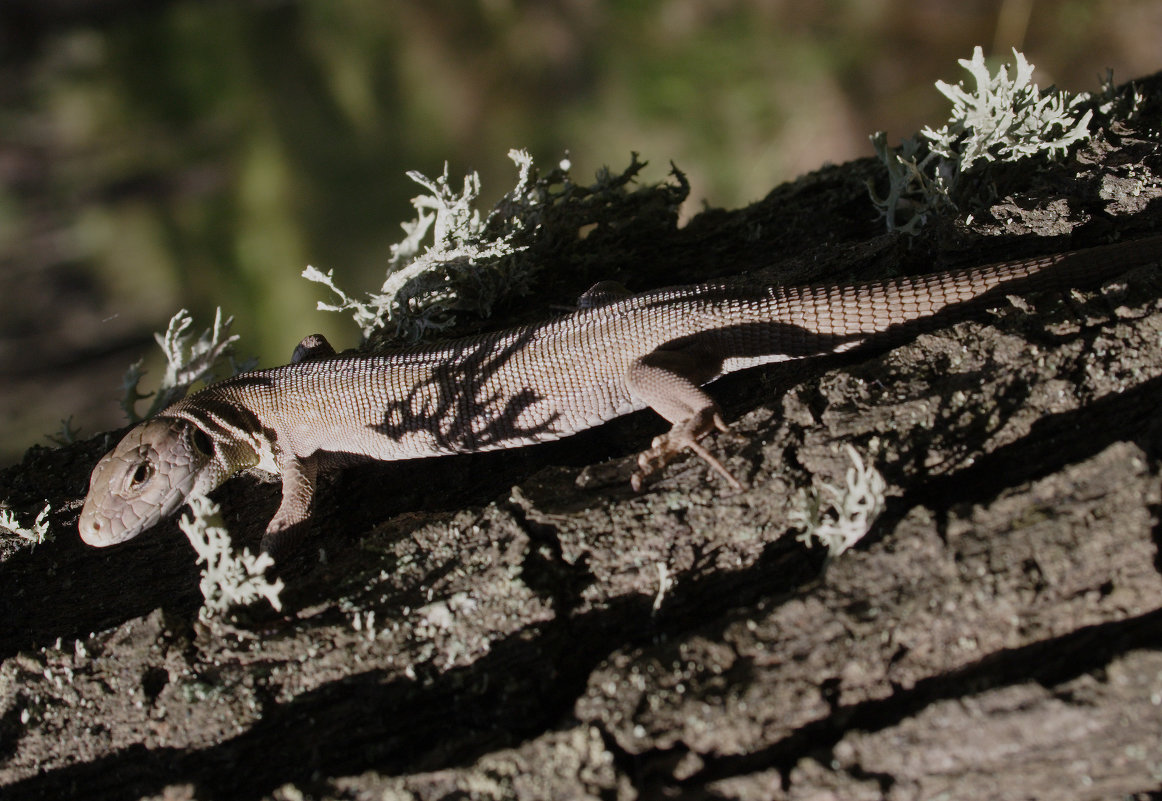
523	625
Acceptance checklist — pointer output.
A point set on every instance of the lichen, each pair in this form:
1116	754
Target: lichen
186	363
33	535
848	513
471	261
1006	119
228	579
1003	119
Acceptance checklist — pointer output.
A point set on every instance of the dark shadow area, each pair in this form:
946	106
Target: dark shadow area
1052	442
523	687
66	589
1048	662
460	397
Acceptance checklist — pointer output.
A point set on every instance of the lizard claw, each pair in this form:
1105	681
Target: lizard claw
683	435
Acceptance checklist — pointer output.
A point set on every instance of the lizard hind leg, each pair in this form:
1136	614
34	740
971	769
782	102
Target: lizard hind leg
669	382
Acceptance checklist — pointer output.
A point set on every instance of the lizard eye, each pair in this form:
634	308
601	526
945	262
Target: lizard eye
141	474
202	442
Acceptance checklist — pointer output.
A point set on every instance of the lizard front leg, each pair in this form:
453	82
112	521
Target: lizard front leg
669	382
286	528
288	525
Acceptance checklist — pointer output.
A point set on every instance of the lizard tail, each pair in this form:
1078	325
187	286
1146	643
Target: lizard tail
846	312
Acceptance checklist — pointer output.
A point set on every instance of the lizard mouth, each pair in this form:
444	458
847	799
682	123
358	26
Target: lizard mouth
100	531
101	527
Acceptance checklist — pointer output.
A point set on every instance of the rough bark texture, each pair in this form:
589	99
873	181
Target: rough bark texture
522	625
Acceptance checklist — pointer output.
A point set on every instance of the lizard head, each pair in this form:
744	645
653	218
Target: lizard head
147	477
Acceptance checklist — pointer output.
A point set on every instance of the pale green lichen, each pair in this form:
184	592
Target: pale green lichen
228	579
848	513
186	363
471	261
33	535
425	284
1003	119
915	188
665	584
1006	119
1124	105
66	435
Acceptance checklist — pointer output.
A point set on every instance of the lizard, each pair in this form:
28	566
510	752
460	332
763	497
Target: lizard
614	355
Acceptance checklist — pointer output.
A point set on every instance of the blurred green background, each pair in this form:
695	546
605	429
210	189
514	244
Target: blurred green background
185	153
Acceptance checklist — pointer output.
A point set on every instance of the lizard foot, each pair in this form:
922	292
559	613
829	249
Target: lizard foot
683	435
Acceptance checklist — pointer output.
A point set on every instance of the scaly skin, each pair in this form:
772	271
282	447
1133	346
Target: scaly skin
145	479
531	384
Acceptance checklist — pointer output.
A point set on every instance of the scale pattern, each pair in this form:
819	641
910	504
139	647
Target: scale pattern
545	381
535	383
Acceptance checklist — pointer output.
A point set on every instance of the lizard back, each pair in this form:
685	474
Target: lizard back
551	379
